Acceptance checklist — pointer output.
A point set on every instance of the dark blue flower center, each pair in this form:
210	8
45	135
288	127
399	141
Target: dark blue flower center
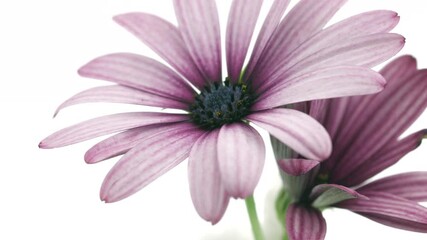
221	103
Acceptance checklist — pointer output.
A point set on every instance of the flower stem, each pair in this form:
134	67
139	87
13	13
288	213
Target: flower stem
253	217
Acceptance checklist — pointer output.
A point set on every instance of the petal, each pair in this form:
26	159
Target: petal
241	24
395	110
139	72
121	94
306	19
298	176
297	130
199	25
324	195
146	162
365	51
303	223
325	83
390	210
270	24
390	154
122	142
207	190
347	117
165	39
297	167
411	186
105	125
360	25
241	156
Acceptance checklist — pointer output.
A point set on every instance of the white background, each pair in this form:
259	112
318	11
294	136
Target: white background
53	194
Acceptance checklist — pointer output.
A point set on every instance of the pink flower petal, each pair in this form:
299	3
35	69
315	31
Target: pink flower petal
297	130
122	142
165	39
298	175
146	162
139	72
365	51
199	26
207	191
306	19
105	125
241	156
121	94
410	185
303	223
360	25
270	25
324	195
241	23
325	83
386	157
390	210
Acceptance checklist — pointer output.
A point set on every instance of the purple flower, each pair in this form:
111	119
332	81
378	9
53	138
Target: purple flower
365	132
293	60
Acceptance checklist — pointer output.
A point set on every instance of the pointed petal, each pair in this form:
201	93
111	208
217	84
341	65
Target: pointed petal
360	25
121	94
139	72
297	167
386	157
122	142
146	162
325	83
410	185
297	130
298	175
390	210
365	51
207	190
270	24
241	156
395	110
306	19
199	26
105	125
241	24
303	223
324	195
165	39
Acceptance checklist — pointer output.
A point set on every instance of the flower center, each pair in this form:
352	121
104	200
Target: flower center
221	103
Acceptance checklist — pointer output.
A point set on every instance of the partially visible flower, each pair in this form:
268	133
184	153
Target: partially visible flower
293	60
365	133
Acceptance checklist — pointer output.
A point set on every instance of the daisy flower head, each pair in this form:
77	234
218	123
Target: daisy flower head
294	59
365	132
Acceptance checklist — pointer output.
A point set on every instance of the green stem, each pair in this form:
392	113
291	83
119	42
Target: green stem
253	217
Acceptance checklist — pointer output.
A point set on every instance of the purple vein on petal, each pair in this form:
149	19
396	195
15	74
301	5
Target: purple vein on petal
241	24
121	94
199	26
270	24
297	130
303	223
165	39
325	83
139	72
409	185
147	161
241	156
105	125
207	190
122	142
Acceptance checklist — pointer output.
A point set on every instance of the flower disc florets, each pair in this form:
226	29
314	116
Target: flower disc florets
221	103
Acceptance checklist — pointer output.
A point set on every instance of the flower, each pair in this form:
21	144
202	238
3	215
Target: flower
365	134
293	60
